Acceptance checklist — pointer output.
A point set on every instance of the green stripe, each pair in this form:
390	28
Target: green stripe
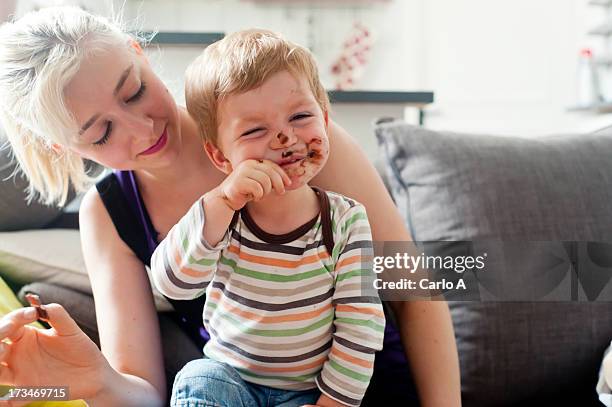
353	219
360	322
201	262
278	332
353	273
348	372
270	276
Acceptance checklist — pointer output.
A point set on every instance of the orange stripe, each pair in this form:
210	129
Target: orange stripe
268	261
360	310
214	295
356	361
302	316
186	270
348	261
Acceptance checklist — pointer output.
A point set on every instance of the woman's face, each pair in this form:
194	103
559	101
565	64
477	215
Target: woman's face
127	118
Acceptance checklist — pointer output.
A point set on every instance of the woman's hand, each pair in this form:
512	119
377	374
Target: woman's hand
60	356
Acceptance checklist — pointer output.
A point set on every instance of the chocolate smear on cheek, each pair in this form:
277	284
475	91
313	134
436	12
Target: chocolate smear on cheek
314	153
314	158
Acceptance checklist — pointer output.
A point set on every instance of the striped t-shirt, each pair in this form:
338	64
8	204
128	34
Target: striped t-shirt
280	309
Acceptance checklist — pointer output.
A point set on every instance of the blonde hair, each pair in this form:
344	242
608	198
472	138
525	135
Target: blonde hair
238	63
39	54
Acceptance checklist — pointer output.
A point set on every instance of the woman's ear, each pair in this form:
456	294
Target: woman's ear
217	157
57	148
326	115
136	46
138	49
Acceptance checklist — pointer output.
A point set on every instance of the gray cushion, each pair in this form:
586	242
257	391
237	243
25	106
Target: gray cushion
15	212
451	186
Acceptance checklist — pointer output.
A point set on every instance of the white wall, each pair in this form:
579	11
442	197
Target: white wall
507	67
495	66
394	59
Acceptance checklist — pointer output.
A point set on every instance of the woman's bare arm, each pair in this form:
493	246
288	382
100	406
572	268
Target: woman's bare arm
425	326
126	316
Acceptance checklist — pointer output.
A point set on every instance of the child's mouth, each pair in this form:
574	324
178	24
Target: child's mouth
293	160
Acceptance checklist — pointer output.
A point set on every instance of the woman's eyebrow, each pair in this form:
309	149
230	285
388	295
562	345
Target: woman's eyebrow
122	79
120	83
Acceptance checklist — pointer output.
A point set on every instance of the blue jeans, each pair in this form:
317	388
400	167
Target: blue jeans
208	383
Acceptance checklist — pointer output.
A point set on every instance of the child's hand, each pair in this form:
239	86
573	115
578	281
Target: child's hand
252	180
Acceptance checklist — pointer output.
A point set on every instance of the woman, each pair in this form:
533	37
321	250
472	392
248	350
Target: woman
76	87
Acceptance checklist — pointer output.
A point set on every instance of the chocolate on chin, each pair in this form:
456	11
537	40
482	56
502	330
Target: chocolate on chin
34	301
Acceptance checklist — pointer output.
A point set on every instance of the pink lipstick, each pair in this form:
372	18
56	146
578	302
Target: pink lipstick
159	144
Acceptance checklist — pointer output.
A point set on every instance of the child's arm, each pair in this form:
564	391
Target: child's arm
251	180
359	317
185	261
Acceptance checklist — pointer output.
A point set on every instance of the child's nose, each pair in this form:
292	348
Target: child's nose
282	139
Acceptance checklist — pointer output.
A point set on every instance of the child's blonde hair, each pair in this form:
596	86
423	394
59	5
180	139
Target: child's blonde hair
39	54
238	63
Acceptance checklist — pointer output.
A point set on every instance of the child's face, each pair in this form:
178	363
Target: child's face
279	121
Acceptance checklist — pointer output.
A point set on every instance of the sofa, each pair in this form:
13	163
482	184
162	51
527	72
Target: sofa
448	187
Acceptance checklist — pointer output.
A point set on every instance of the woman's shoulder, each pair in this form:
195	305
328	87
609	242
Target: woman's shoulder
93	215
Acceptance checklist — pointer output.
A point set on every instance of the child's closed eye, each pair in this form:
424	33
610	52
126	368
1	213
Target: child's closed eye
252	131
300	116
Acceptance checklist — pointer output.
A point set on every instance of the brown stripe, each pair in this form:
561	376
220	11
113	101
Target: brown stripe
278	239
270	306
278	248
347	400
329	376
326	223
275	359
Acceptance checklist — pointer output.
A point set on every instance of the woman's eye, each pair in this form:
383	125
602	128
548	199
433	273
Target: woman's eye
105	137
137	95
300	116
252	131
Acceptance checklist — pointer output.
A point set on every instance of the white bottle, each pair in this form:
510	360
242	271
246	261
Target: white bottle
588	90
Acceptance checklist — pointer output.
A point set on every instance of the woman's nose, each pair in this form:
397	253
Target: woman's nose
141	126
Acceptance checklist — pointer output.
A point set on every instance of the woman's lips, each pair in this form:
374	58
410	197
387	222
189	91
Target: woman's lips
161	142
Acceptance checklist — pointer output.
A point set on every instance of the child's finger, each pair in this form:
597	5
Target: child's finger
252	189
277	183
286	178
262	177
277	169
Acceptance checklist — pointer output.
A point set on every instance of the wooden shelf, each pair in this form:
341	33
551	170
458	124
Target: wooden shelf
604	30
603	3
604	61
185	38
360	96
603	107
